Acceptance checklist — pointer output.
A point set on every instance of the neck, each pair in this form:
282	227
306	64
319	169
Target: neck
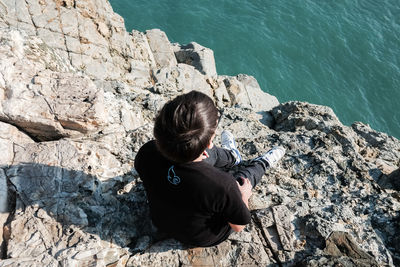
200	158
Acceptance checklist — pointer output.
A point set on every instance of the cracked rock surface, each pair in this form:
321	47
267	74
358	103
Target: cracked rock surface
78	96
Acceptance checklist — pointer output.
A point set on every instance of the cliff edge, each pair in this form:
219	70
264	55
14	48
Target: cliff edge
78	95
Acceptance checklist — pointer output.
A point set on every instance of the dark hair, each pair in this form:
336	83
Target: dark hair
184	126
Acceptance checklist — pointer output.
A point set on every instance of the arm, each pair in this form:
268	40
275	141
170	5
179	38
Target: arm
237	228
245	191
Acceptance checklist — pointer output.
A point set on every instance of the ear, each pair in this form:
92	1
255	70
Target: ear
210	145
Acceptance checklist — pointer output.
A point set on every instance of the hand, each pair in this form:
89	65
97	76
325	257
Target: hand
245	189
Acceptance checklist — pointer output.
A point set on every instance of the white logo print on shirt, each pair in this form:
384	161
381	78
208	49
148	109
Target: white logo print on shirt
172	178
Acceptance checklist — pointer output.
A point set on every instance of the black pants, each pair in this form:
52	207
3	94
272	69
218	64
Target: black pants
224	160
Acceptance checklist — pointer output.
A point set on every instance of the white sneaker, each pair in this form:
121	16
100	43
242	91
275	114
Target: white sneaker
228	142
273	156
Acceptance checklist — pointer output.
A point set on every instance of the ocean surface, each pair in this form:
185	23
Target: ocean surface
342	54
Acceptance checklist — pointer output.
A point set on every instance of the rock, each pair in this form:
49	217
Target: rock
372	137
260	100
3	233
377	147
10	135
61	104
142	62
221	94
229	253
59	198
245	92
200	57
3	192
161	48
283	219
180	79
276	228
88	34
75	101
4	210
335	261
389	181
394	179
293	115
341	249
342	244
241	121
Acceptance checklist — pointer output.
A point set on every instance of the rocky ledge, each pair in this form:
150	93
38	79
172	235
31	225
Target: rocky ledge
78	95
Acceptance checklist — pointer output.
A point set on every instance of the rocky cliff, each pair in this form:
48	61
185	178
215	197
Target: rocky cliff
78	95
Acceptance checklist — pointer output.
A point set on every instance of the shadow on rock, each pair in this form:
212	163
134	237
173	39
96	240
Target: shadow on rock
340	249
66	215
391	181
387	227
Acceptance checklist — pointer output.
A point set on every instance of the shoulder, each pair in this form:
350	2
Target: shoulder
148	148
150	145
145	152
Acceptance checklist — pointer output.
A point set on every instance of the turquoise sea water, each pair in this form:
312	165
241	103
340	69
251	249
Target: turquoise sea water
343	54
